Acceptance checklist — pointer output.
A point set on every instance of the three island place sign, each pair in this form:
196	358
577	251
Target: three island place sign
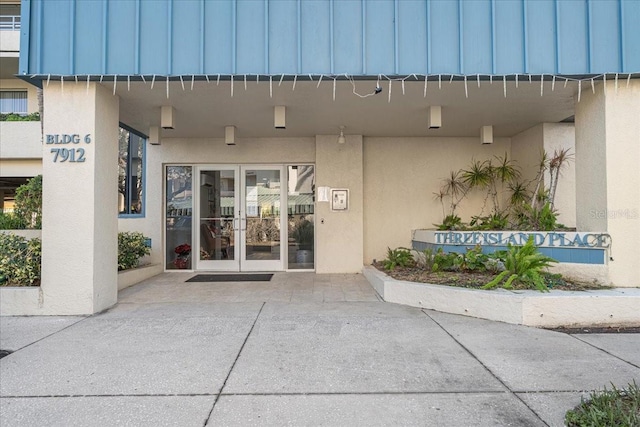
542	239
72	151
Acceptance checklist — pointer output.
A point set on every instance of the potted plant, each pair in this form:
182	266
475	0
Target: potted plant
183	252
303	235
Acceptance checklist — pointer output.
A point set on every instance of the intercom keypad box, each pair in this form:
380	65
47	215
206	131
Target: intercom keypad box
339	199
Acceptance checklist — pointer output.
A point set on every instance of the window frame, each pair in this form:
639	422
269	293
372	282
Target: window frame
26	100
143	180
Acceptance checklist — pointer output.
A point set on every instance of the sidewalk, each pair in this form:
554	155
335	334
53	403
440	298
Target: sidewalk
304	349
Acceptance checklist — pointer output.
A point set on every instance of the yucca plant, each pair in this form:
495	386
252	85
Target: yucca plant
400	257
523	264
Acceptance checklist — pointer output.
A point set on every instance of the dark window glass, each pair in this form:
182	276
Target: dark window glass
130	172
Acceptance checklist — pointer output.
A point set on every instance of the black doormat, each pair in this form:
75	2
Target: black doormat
231	278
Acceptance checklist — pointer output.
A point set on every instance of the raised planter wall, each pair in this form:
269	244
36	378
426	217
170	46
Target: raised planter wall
21	301
611	307
29	234
130	277
581	256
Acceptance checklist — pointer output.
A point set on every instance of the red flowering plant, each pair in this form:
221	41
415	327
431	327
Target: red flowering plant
183	251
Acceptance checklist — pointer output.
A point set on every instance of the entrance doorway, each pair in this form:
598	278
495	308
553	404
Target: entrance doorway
240	226
240	217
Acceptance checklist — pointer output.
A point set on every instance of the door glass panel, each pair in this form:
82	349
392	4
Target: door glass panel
300	216
179	203
262	213
217	212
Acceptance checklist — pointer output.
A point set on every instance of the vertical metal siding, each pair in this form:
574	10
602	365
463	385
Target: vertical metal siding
379	30
72	38
220	42
23	65
56	33
444	37
573	25
412	36
250	37
477	44
347	41
169	37
153	37
283	37
121	30
89	25
630	36
540	32
315	37
203	37
186	37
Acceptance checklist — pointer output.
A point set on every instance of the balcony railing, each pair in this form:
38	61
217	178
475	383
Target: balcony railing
10	22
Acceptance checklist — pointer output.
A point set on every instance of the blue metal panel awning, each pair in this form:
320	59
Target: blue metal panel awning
132	38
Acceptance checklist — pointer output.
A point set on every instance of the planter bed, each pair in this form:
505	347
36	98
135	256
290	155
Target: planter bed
610	307
132	276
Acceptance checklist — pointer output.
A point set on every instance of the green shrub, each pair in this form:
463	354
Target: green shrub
475	260
10	221
451	261
496	221
451	222
14	117
425	259
19	260
523	264
29	202
400	257
605	408
539	219
131	247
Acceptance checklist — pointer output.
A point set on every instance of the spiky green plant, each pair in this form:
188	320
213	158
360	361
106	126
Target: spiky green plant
523	264
399	257
615	407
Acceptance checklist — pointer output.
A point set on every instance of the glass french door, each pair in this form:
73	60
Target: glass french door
240	226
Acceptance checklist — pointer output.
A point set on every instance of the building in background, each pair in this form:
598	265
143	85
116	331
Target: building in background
310	135
20	141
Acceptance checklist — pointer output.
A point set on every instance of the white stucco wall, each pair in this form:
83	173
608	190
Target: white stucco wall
527	148
20	140
205	151
79	224
559	136
10	42
608	173
339	235
400	177
591	160
20	167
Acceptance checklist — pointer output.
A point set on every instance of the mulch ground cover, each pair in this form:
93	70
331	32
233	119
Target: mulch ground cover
470	279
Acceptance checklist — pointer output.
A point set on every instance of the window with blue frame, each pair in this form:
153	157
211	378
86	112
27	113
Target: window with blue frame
13	102
131	145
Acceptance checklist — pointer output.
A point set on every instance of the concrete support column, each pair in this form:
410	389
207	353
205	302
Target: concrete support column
608	173
79	224
340	235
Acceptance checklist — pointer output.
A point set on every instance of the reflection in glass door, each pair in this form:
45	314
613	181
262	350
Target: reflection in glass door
238	226
216	235
261	219
300	212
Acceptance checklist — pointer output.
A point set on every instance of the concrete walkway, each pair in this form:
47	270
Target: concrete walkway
301	350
